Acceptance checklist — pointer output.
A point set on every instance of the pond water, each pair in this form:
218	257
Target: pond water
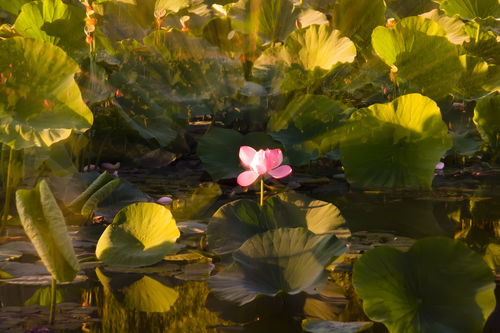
173	296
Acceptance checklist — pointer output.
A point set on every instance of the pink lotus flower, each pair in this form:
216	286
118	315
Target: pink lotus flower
260	163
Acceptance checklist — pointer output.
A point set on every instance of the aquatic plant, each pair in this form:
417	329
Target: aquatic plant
235	222
141	234
437	285
284	260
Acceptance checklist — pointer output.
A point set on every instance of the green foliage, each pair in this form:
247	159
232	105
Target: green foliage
12	6
454	27
219	147
307	127
141	235
478	79
53	21
420	55
39	104
438	285
99	190
404	8
487	120
307	55
284	260
395	145
356	19
45	226
237	221
470	9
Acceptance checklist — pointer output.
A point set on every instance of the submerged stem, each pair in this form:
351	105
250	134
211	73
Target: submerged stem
53	295
261	192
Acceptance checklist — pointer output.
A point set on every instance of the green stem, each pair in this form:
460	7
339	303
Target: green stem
262	192
53	298
7	189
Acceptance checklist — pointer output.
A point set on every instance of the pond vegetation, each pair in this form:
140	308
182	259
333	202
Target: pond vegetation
324	166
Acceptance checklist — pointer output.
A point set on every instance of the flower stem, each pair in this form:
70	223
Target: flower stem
53	301
261	192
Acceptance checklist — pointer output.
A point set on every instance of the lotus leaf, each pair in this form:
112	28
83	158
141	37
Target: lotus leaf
478	78
141	234
40	103
284	260
395	145
492	255
420	55
404	8
483	42
94	191
487	120
139	292
439	285
12	6
273	21
237	221
170	5
307	55
306	127
454	27
347	15
218	150
470	9
53	21
326	326
45	226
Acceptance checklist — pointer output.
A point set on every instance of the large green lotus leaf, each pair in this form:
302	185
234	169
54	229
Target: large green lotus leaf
235	222
478	79
439	285
141	235
404	8
395	145
420	54
12	6
454	27
483	42
219	147
53	21
492	256
327	326
470	9
284	260
347	15
306	127
121	20
487	120
45	226
40	103
170	5
307	55
273	21
138	293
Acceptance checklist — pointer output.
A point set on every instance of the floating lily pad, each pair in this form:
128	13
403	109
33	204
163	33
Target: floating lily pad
438	285
44	224
218	150
395	145
139	293
39	104
326	326
420	55
487	120
284	260
141	235
239	220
